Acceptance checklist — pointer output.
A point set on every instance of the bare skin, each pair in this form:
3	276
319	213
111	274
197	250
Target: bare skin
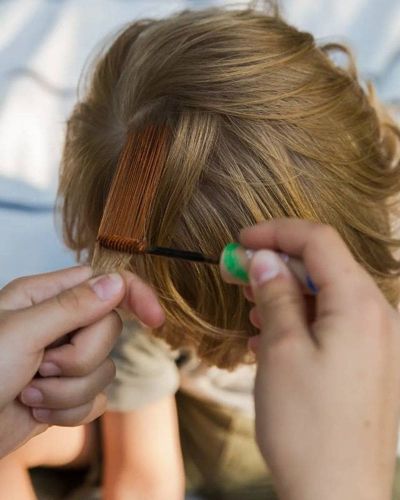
133	443
327	406
326	395
37	311
63	326
65	447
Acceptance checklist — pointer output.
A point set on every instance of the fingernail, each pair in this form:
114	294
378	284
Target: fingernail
265	266
49	369
31	396
234	264
107	286
41	414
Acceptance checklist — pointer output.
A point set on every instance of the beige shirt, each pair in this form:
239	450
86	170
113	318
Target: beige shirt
148	370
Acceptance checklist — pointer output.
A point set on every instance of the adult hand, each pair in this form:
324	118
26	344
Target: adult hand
328	383
38	311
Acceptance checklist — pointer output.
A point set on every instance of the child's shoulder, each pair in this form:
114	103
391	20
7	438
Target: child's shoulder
147	369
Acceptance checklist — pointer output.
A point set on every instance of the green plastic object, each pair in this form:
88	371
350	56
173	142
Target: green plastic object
232	263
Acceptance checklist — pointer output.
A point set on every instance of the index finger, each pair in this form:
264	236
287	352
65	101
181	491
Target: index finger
326	257
142	301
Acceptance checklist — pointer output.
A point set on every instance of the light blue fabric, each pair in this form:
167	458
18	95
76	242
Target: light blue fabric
29	243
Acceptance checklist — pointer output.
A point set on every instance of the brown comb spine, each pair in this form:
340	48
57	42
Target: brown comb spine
131	197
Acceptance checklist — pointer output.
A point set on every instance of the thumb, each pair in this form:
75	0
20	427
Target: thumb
74	308
278	297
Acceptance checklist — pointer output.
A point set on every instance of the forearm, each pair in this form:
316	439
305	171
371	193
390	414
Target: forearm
128	485
142	454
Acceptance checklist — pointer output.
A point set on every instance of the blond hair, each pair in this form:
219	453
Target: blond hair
264	125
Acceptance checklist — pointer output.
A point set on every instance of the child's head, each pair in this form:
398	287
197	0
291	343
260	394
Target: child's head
263	125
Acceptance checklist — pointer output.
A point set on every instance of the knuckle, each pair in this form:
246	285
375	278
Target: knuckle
19	283
73	361
284	342
64	393
53	392
69	300
278	301
16	293
325	232
70	418
81	365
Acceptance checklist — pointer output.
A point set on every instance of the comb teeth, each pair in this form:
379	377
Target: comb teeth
133	190
120	244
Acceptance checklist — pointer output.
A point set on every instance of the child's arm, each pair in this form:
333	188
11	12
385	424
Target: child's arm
143	458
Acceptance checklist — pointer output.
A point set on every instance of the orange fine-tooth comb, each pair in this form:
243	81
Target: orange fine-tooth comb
123	226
